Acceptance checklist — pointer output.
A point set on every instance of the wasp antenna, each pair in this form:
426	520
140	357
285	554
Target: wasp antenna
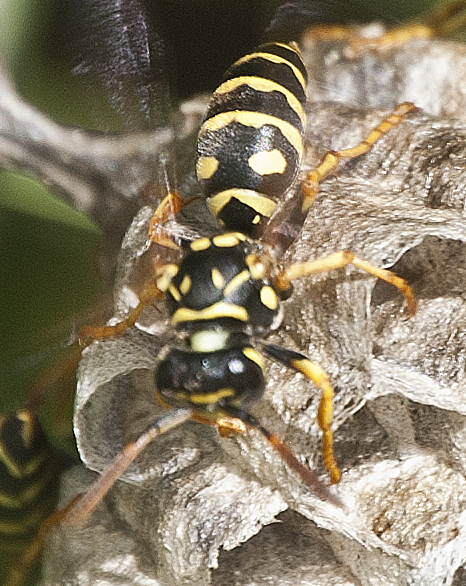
86	504
308	477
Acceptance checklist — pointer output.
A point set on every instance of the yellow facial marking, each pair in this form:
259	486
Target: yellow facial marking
206	167
165	275
255	356
256	120
211	397
268	162
200	244
215	311
185	284
217	279
236	282
269	298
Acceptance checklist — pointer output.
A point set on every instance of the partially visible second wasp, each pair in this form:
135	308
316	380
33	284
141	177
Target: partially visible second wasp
29	468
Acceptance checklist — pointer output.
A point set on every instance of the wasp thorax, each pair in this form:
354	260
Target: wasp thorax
222	284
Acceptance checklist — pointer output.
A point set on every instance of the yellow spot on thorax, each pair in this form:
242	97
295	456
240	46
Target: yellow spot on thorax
217	279
269	298
228	240
200	244
185	285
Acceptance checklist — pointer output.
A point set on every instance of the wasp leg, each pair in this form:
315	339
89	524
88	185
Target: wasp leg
148	296
331	32
88	501
358	44
313	372
331	159
339	260
151	292
170	206
395	37
440	21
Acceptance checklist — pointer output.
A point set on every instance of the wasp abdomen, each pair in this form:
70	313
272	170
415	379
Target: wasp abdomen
27	479
251	142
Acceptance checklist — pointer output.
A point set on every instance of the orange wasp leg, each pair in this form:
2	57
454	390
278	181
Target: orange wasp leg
148	296
88	501
151	292
331	159
314	373
229	426
170	206
339	260
441	21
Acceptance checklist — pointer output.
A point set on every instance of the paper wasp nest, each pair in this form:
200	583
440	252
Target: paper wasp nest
198	509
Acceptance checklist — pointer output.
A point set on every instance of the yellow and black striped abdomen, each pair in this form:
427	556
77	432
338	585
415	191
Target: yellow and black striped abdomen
28	472
251	142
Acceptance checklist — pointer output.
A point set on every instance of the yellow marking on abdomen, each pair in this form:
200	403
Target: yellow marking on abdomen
255	120
206	167
260	203
210	397
255	356
275	59
261	84
268	162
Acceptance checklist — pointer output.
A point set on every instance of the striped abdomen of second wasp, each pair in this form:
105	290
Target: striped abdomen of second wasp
251	142
28	473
